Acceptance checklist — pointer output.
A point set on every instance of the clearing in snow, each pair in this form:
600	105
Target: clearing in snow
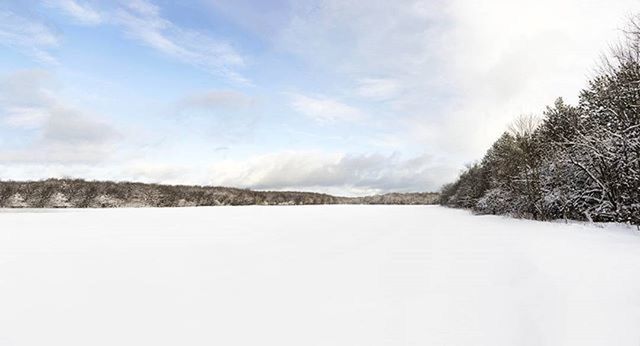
313	275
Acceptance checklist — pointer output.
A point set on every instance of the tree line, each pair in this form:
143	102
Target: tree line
576	161
78	193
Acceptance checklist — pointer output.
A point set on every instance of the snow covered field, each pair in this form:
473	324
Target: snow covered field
313	275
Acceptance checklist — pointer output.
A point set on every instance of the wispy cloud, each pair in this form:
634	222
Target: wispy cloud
324	109
28	36
142	21
83	13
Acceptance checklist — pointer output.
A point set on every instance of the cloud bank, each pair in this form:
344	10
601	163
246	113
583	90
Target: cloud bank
333	172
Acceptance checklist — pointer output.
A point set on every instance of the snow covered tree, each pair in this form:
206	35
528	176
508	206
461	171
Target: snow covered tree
582	162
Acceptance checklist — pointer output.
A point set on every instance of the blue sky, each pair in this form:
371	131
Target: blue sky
347	97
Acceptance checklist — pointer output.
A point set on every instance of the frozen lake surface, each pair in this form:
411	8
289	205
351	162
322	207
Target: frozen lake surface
313	275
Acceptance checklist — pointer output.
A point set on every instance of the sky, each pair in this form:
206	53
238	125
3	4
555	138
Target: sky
341	96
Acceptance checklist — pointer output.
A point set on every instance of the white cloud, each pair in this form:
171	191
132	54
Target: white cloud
459	70
67	136
142	20
332	172
25	98
60	131
324	109
72	127
549	50
83	13
28	36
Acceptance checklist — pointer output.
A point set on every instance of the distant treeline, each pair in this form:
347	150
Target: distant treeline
77	193
576	162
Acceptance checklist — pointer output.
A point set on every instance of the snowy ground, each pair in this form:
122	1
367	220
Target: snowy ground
313	275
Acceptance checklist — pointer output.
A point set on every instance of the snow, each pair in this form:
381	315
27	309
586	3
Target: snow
313	275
